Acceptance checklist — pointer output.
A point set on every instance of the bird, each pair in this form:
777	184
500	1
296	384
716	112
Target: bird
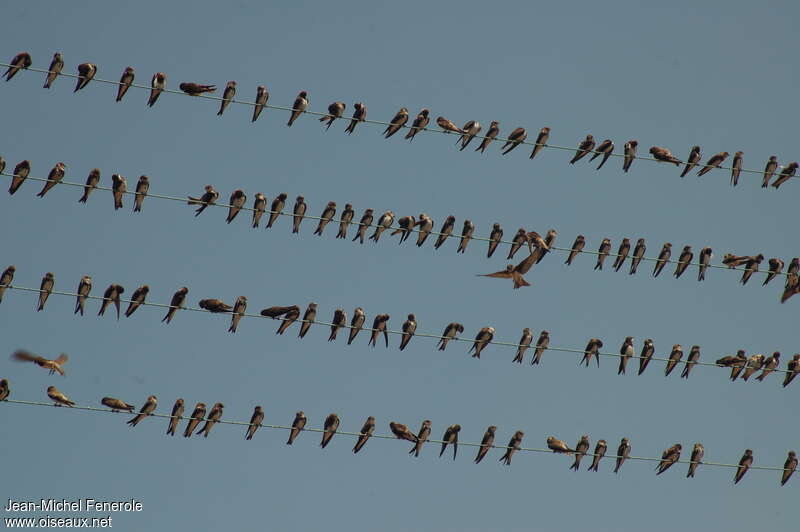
176	303
345	219
516	137
663	257
327	215
262	95
45	288
299	106
450	437
142	187
119	186
53	178
630	154
213	417
137	299
298	212
577	247
697	458
541	346
769	170
57	397
406	225
674	359
770	365
792	287
420	122
330	426
125	82
398	121
466	236
259	207
558	446
792	369
422	436
363	225
112	295
445	231
623	451
751	267
255	422
684	259
86	72
524	343
384	222
359	115
216	306
581	448
290	315
5	390
197	416
516	243
513	445
786	174
449	333
669	457
54	69
602	253
494	130
209	197
515	273
236	202
744	464
647	353
705	259
116	405
470	129
626	352
297	425
425	224
694	357
92	181
584	147
738	364
52	366
448	126
664	155
713	162
401	431
789	467
494	239
366	432
379	325
175	417
733	261
148	408
622	253
196	89
20	61
6	278
486	443
409	328
736	167
541	141
157	86
339	320
692	160
592	349
775	269
599	452
356	324
227	96
276	208
754	363
84	287
483	338
308	318
729	361
335	110
606	148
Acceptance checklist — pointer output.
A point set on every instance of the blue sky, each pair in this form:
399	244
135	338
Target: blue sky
719	76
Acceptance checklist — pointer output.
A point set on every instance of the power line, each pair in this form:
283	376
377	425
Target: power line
375	122
387	436
390	228
369	329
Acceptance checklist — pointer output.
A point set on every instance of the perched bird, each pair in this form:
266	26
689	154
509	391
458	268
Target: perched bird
664	155
769	170
770	365
581	448
384	222
494	130
744	464
276	208
236	202
176	303
450	437
86	72
406	225
602	253
259	207
754	363
445	231
705	260
366	432
297	425
738	365
420	122
425	224
115	404
592	349
697	458
45	288
157	86
119	186
792	287
729	361
380	325
694	357
482	339
792	369
91	183
52	366
736	167
486	443
53	178
786	174
674	359
541	346
196	89
775	269
789	467
623	451
216	306
137	299
669	457
227	96
356	324
290	315
542	245
541	141
449	333
606	148
399	120
197	416
262	95
626	352
630	154
57	397
663	257
751	267
213	417
466	236
494	239
364	224
148	408
298	212
299	106
684	259
209	197
20	61
175	417
125	82
112	295
524	344
692	160
5	390
794	266
584	147
330	426
401	431
409	328
345	219
84	287
6	278
558	446
470	129
599	452
513	445
517	242
54	69
359	115
422	436
448	125
647	353
622	253
577	247
142	187
339	321
733	261
712	163
255	422
516	137
335	110
308	318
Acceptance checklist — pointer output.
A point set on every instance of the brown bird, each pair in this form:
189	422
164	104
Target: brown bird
379	325
52	366
606	148
345	220
697	458
769	170
300	208
364	224
663	257
786	174
58	398
297	425
137	299
684	259
648	349
630	154
53	178
789	467
450	436
623	451
692	160
524	344
148	408
216	306
482	339
209	197
445	231
705	261
119	186
513	445
330	426
116	405
406	225
197	416
299	106
262	95
45	288
237	201
792	369
409	328
6	278
276	208
213	417
541	141
602	253
449	333
516	137
585	146
420	122
91	183
21	171
196	89
84	287
664	155
622	253
157	86
175	417
599	453
255	422
142	187
694	357
356	324
770	365
401	431
592	350
558	446
399	120
792	287
736	167
335	110
712	163
259	207
366	432
448	125
289	317
514	272
125	82
112	295
227	96
674	359
669	457
422	436
541	346
176	303
580	450
86	72
516	243
494	130
744	464
626	352
359	115
20	61
466	236
308	318
486	443
577	247
470	129
775	269
494	239
239	308
754	363
751	267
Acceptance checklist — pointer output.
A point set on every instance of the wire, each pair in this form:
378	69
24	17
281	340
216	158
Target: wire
386	436
392	227
389	331
375	122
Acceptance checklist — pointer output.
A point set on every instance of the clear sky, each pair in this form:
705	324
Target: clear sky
719	75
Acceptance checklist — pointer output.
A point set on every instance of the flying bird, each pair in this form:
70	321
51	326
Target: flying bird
52	366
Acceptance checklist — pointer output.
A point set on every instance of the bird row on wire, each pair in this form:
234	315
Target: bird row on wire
740	364
470	130
423	226
401	431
